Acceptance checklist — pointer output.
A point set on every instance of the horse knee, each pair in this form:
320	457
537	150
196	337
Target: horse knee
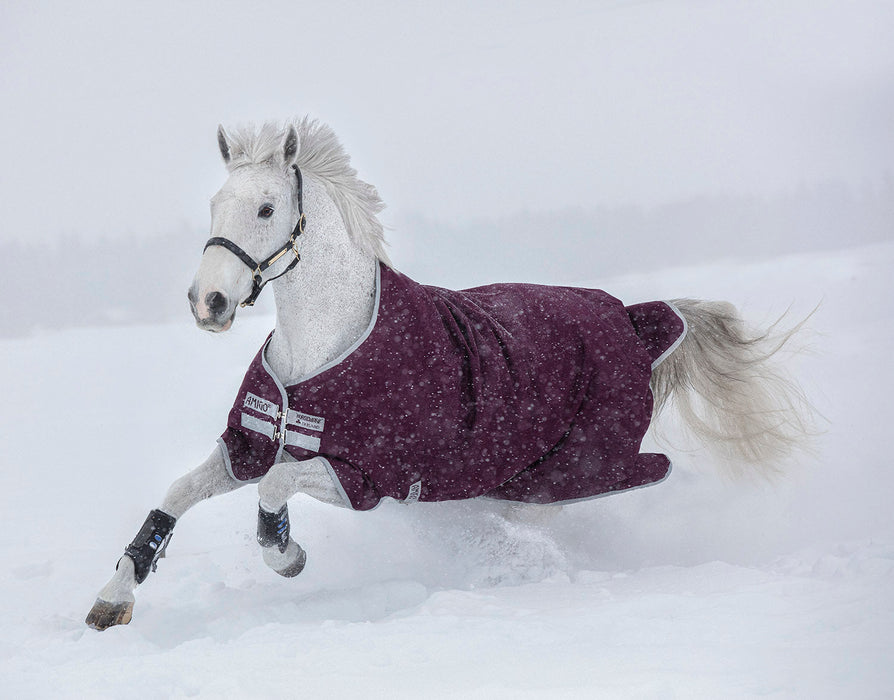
277	485
207	480
180	496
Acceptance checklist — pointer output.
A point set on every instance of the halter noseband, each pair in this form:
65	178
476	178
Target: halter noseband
257	268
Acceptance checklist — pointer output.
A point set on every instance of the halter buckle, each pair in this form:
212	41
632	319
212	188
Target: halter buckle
276	257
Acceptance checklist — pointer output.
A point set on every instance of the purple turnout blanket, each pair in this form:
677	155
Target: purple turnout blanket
513	391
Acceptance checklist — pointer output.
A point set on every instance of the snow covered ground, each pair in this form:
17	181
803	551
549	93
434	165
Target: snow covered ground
697	587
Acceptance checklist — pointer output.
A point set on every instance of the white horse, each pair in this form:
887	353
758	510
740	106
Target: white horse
294	211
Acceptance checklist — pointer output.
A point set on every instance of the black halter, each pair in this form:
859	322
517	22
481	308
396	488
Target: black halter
257	268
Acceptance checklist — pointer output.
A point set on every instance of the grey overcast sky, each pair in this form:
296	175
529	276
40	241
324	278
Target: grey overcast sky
468	109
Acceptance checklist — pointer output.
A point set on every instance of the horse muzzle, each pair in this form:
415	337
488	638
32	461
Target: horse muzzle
214	313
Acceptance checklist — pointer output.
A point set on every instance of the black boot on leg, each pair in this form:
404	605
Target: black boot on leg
281	553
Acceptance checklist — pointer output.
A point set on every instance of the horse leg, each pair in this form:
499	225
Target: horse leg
285	479
114	603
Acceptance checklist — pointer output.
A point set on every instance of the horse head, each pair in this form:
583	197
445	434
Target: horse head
255	219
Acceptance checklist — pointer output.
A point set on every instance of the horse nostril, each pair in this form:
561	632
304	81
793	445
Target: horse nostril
216	303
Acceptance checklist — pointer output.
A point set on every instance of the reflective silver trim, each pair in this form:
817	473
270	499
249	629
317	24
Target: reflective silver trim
337	483
226	457
225	451
357	343
258	425
663	356
256	403
303	441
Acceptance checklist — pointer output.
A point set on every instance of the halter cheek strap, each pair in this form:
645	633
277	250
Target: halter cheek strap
258	268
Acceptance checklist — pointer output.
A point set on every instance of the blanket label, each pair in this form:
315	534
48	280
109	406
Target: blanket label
256	403
415	492
306	421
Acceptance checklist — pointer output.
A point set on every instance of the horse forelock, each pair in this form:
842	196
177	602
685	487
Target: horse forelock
320	155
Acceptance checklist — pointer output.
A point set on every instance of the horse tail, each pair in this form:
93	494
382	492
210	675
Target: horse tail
727	387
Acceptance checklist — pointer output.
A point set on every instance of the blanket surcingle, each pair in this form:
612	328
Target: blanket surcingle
514	391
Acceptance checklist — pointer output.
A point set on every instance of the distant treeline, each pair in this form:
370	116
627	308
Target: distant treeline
70	281
588	245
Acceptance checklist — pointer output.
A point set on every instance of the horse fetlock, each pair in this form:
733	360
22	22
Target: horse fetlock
289	562
122	584
150	543
114	603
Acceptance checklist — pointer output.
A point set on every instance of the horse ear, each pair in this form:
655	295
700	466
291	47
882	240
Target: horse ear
222	143
290	146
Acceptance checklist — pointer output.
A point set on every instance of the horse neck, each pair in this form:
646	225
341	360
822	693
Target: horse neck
326	303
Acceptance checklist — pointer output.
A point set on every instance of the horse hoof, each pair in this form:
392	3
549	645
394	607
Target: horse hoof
296	567
105	614
289	563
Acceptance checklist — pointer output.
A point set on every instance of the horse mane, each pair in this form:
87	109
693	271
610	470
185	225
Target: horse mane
321	155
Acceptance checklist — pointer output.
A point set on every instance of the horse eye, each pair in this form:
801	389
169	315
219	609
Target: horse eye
265	212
